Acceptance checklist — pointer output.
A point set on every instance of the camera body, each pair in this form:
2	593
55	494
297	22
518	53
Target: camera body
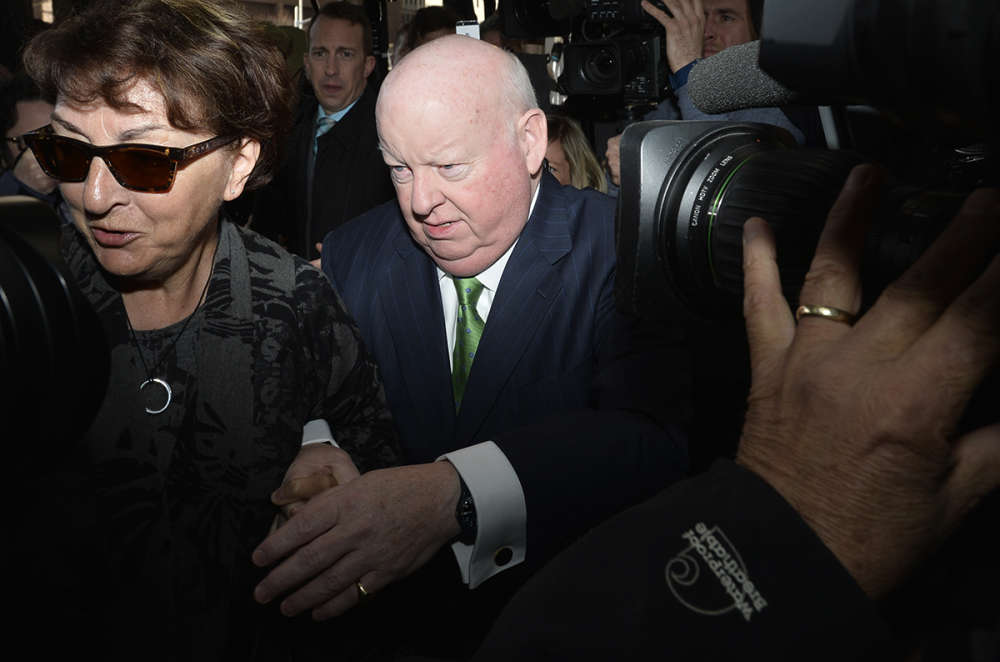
615	50
688	187
628	12
614	54
630	64
53	354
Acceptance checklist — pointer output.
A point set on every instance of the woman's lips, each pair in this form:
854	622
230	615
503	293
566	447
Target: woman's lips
113	238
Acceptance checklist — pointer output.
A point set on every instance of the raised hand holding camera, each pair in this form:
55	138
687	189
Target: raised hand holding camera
685	29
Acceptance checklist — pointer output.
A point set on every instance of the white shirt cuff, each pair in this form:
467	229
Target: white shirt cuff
501	513
317	431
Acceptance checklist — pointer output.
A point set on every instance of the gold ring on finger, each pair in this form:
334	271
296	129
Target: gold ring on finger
826	312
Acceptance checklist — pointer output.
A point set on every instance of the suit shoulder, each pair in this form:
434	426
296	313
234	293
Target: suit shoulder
592	213
361	116
304	118
593	200
381	220
363	243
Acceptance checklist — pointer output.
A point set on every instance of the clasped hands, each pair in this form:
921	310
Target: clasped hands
338	528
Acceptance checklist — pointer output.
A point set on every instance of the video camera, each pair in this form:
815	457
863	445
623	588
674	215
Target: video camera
53	356
688	187
614	56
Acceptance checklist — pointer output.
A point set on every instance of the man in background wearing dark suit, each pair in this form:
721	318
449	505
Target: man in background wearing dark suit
332	170
486	294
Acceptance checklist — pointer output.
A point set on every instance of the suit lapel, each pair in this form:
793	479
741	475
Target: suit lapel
528	290
411	303
346	133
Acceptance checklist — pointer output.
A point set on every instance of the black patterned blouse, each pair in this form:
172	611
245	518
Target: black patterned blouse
183	496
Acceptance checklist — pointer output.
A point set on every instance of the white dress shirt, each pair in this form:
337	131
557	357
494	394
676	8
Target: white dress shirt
494	485
501	512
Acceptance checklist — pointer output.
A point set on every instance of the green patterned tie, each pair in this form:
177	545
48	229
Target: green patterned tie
467	334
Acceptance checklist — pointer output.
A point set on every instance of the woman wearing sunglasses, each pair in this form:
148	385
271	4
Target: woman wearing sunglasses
223	346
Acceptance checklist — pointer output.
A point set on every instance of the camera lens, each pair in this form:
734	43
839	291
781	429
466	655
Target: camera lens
53	356
602	68
730	174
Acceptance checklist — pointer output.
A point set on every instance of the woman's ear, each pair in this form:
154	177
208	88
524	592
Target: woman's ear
243	164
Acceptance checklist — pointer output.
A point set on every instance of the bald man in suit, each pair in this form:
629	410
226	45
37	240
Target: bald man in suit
529	407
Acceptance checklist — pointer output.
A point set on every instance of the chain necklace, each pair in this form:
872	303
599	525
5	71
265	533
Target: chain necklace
158	381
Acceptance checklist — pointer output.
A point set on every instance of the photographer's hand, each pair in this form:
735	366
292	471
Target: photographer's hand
855	425
685	30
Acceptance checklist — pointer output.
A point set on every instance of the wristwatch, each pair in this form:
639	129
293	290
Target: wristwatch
465	513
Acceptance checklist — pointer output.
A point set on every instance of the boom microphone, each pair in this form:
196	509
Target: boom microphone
732	80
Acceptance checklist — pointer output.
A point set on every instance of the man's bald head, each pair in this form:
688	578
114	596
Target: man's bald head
463	73
462	133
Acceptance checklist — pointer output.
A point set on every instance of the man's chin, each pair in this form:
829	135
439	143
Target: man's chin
460	266
331	104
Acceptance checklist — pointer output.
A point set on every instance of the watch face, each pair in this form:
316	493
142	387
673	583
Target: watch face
465	513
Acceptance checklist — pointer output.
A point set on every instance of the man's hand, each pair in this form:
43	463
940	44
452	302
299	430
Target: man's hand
613	155
855	426
685	30
28	172
374	530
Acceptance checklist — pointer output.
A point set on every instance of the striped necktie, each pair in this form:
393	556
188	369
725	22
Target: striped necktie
323	125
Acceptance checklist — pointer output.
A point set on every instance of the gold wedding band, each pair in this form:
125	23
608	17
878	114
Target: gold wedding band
826	312
363	593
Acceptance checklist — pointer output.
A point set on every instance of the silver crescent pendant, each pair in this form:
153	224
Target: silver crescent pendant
166	387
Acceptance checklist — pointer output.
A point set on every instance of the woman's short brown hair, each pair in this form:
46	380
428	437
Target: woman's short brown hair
217	69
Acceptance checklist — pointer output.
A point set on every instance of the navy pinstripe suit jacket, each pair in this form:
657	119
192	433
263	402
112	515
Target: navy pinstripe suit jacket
575	395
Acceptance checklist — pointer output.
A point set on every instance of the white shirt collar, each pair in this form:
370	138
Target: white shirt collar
337	116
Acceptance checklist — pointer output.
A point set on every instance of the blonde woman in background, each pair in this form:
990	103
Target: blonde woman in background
571	159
